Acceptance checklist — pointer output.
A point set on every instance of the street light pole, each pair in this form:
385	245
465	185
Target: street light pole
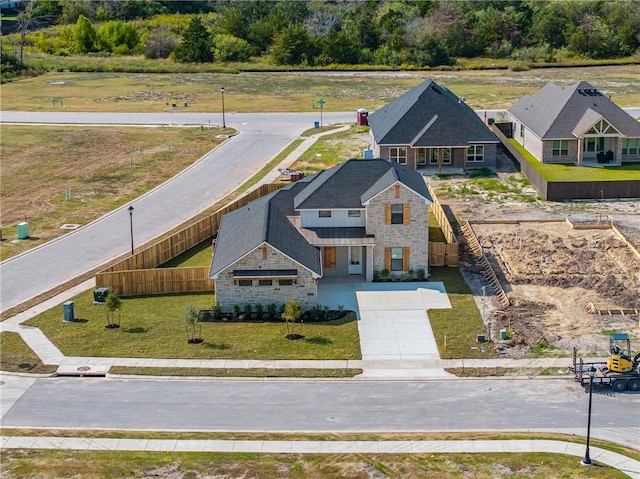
586	461
224	124
131	225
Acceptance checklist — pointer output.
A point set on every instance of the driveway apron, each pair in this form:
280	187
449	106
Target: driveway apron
393	322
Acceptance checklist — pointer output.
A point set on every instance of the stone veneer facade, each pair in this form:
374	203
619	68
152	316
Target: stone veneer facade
415	235
228	293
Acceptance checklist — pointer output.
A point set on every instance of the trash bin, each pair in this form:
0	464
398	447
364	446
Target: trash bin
481	338
316	124
100	295
69	317
503	334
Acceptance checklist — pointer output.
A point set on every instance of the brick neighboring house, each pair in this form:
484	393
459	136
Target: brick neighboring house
430	127
351	220
576	124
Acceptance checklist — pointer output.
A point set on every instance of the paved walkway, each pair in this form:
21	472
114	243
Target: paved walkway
601	456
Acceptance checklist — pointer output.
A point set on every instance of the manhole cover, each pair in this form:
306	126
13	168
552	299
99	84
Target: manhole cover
70	226
84	368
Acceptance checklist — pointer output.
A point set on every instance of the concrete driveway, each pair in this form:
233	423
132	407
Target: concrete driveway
393	322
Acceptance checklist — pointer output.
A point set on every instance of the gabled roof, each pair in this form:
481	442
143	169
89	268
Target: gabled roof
270	219
428	115
263	221
354	182
558	113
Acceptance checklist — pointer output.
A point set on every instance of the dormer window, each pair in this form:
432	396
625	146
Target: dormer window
324	214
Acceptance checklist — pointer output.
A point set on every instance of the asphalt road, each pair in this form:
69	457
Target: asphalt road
321	406
261	138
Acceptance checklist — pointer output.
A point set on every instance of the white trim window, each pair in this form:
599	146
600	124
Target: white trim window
354	213
324	214
421	156
397	261
398	154
630	146
446	156
475	154
560	148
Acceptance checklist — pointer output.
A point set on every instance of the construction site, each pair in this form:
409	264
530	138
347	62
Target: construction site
548	286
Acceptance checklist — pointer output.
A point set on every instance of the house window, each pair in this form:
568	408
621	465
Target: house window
286	282
354	213
630	146
522	131
265	282
589	144
421	156
475	153
398	154
324	214
560	147
433	156
245	282
396	259
397	214
446	156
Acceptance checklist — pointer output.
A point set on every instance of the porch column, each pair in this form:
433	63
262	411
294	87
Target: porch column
580	153
368	262
439	160
618	151
464	160
415	160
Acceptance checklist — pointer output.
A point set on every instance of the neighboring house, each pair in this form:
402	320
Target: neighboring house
354	219
576	124
430	127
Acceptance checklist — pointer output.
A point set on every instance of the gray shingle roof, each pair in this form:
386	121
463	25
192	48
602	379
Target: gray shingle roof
263	221
559	113
450	122
266	220
352	183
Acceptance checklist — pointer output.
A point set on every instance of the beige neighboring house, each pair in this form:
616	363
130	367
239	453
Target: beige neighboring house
576	124
360	217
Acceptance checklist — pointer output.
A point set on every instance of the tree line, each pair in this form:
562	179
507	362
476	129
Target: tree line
313	33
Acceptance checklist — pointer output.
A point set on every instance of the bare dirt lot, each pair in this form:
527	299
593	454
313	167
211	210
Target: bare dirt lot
550	271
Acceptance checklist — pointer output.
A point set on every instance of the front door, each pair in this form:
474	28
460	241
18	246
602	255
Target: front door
355	260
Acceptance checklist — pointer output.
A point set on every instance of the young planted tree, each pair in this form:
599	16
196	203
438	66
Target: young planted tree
113	304
191	323
291	314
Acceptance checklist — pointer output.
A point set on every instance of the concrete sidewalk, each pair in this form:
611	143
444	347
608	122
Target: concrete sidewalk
628	466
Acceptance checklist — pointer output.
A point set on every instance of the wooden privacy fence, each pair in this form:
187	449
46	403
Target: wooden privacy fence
441	216
143	261
143	282
443	254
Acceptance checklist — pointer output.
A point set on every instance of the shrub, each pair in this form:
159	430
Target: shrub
272	310
235	310
216	311
247	311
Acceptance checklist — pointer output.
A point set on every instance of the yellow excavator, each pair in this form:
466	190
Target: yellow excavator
620	354
620	372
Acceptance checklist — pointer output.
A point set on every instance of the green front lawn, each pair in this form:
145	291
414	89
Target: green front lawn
153	327
571	172
460	324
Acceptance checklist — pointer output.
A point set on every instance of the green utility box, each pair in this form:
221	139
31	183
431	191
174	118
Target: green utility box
100	295
23	230
69	316
503	334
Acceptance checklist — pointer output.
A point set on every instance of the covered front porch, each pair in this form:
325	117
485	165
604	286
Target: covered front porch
347	263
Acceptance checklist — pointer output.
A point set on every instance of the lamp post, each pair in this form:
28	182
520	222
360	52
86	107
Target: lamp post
586	461
130	209
224	124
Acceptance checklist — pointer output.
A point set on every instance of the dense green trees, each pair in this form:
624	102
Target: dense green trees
322	32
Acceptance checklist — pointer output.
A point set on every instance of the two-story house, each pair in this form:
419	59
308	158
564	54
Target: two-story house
431	128
354	219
